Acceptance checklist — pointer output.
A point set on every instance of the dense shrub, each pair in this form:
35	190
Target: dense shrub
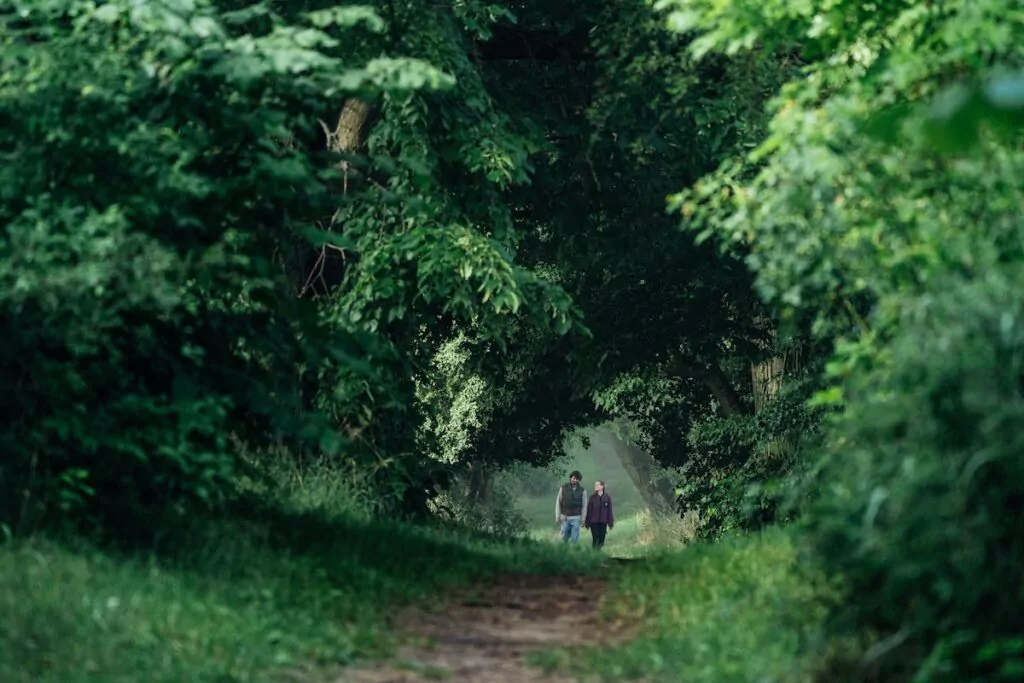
498	515
744	470
921	513
145	186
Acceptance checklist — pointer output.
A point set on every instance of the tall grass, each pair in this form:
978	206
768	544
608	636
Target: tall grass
300	584
666	531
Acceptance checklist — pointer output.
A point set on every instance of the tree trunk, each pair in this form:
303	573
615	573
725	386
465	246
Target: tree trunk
715	380
656	491
724	392
767	378
349	134
316	271
481	485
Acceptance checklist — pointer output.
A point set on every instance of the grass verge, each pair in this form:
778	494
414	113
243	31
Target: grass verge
297	589
743	610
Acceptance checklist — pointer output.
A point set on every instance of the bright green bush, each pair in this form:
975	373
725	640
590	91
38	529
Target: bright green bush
883	212
921	507
144	188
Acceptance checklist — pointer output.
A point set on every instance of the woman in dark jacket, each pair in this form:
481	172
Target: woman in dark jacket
600	516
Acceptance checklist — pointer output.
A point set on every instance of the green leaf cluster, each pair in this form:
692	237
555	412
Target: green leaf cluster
883	212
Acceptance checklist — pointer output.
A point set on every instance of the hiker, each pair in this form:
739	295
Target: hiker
600	517
569	507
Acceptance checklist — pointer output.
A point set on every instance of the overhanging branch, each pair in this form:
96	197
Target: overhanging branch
712	376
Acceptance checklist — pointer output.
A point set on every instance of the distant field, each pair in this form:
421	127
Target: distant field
597	462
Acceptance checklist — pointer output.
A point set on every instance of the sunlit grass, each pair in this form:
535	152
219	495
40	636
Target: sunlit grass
622	541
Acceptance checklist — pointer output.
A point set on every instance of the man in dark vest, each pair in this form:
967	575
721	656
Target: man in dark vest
569	507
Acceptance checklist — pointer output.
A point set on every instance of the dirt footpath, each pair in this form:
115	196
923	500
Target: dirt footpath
481	634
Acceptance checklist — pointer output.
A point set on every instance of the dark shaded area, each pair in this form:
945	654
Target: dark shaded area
513	43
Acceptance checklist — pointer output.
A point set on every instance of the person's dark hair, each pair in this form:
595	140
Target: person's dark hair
576	473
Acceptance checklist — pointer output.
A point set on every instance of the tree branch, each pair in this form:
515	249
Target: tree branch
717	383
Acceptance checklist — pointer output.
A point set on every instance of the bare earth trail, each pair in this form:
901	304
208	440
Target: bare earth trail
482	634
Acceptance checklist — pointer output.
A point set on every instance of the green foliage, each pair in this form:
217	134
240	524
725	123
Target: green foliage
162	162
188	268
885	207
436	272
620	130
536	482
834	218
737	471
746	470
661	410
142	197
921	484
715	479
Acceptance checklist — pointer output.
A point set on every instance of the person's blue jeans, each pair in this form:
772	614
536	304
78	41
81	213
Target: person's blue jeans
571	528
